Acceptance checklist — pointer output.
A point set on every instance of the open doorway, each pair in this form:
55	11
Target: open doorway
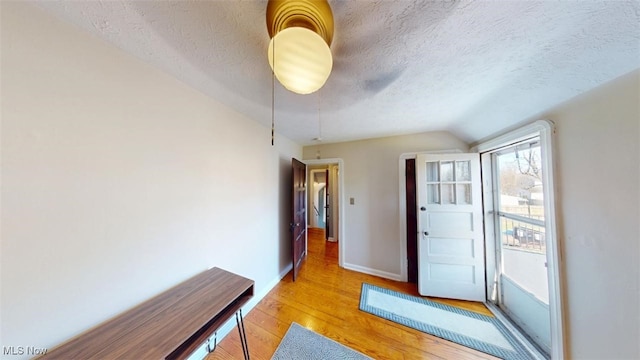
319	209
323	200
324	203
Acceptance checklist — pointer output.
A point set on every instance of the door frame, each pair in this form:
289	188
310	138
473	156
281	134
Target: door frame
545	129
342	239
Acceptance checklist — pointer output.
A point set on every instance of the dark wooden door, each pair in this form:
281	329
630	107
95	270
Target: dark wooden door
298	223
412	222
327	209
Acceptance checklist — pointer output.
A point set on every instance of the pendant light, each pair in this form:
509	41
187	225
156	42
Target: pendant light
301	32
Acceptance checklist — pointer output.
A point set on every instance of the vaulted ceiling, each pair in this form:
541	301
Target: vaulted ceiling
472	68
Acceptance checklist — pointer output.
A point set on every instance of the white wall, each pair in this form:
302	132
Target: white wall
598	177
371	177
118	182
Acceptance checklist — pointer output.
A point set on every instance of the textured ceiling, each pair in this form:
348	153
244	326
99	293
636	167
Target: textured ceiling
472	68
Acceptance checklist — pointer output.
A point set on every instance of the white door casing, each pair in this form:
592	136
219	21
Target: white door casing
451	238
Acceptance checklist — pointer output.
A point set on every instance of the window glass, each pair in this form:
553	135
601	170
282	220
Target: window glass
463	171
446	168
520	179
463	194
521	218
432	172
433	194
448	194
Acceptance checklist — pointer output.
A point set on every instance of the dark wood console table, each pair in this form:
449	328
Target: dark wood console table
171	325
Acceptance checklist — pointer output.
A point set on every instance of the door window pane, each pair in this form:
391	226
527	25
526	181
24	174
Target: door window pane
463	172
448	194
432	172
446	168
433	194
463	193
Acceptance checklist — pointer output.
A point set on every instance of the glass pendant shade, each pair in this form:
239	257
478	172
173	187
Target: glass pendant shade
302	61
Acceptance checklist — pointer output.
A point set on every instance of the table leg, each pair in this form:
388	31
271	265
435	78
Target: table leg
243	334
215	343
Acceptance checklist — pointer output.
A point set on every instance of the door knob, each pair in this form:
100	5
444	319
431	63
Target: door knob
426	233
422	208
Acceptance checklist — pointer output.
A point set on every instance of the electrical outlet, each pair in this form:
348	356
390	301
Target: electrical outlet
352	201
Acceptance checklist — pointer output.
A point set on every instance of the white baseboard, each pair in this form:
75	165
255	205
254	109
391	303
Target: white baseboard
226	328
366	270
283	273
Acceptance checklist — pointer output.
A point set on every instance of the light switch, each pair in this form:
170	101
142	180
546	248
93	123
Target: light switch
352	201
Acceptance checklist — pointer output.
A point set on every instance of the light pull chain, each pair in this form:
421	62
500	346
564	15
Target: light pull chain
273	91
273	124
319	119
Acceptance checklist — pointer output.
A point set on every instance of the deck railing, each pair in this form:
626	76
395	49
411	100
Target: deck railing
525	235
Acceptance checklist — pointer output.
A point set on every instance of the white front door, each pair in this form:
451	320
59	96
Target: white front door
450	239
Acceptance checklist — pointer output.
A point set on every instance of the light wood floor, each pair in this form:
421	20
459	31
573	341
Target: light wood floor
325	299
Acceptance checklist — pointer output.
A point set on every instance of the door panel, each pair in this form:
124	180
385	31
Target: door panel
451	247
450	243
458	222
298	223
447	272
